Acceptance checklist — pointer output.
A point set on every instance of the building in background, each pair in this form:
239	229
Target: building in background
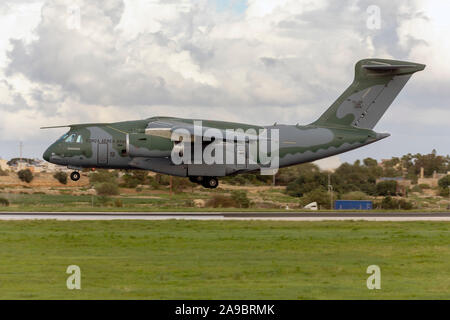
433	181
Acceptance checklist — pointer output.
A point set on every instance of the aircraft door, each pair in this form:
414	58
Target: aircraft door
102	153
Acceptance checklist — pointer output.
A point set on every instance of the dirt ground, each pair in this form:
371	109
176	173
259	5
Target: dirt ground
41	179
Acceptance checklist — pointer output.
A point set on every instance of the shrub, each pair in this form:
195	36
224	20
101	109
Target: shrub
153	183
102	176
107	189
134	178
162	179
103	201
189	203
61	177
355	195
416	188
129	182
424	186
405	205
241	199
390	203
4	202
444	192
178	183
248	179
3	173
221	201
118	203
25	175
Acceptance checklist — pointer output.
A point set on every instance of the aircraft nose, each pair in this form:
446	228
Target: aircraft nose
47	154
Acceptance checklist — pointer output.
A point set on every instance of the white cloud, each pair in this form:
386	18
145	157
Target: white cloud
284	61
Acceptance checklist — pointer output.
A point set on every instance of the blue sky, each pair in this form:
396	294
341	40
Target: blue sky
237	6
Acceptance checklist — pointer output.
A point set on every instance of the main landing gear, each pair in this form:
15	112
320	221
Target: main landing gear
75	176
207	182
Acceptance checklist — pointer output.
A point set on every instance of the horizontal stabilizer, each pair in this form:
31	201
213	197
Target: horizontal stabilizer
386	67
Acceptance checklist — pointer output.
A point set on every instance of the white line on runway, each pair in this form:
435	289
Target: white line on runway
80	217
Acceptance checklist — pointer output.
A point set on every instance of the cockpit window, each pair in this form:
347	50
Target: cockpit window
63	136
73	138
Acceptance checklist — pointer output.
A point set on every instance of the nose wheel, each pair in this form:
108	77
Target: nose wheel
75	176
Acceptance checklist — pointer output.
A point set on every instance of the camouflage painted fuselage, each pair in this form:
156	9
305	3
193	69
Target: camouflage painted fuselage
345	126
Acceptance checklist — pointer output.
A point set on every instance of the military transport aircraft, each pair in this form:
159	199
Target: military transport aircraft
158	143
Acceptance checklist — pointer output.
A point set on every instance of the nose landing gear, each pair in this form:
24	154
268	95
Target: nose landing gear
75	176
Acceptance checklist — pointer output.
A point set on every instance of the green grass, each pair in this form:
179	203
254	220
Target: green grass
151	203
67	202
224	259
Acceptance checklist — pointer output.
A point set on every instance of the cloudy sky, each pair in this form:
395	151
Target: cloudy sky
254	61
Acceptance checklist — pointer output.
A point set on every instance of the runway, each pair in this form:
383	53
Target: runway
278	216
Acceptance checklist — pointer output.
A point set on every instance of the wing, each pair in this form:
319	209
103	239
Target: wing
167	127
53	127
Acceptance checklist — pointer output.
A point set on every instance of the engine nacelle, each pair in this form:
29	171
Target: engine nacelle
142	145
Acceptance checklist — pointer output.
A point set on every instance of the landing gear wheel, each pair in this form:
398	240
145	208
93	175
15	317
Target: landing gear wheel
75	176
210	182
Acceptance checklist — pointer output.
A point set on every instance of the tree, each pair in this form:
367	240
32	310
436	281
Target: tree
349	178
369	162
444	182
25	175
287	175
307	182
430	163
61	177
14	161
444	186
319	195
387	188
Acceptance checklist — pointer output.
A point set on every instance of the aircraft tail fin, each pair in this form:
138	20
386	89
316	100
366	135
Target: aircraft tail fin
376	84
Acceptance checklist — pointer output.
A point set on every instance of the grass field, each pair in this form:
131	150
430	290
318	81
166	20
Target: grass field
224	259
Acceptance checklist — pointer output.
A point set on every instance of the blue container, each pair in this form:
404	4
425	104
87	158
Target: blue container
353	205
